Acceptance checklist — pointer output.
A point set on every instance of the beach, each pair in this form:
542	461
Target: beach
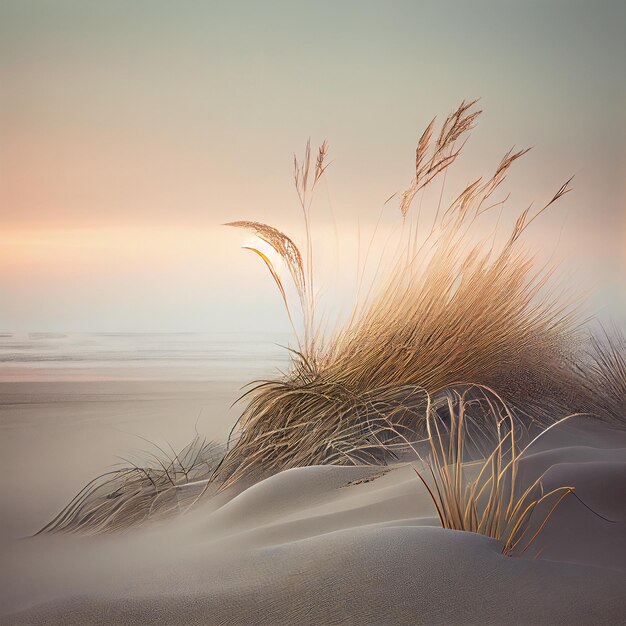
316	545
322	545
312	313
72	405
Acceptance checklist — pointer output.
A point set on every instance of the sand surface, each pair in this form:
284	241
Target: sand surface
329	545
55	436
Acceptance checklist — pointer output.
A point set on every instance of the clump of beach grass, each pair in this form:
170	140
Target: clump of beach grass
164	484
606	373
450	312
485	496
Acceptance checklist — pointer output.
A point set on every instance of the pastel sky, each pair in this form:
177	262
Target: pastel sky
129	131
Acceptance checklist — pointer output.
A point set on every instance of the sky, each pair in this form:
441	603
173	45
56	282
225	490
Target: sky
130	131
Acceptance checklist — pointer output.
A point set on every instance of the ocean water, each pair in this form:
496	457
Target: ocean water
140	356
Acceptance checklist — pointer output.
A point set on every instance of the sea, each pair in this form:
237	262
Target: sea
41	356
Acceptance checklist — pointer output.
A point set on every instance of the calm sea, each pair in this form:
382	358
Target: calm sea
140	356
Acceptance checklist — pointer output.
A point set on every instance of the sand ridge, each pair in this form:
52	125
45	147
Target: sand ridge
341	545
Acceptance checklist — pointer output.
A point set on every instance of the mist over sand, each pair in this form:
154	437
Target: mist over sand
330	545
317	545
72	404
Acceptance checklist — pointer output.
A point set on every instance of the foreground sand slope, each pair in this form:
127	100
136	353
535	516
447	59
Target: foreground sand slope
329	545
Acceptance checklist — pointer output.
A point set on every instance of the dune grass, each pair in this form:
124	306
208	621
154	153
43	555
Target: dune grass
165	484
606	373
448	313
485	497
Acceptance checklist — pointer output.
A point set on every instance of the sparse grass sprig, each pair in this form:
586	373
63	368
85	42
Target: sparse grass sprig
160	486
490	502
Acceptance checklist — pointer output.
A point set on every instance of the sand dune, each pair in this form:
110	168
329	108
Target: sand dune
391	575
342	545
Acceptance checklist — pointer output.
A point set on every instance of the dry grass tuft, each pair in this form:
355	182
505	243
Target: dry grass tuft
607	373
485	497
128	496
295	423
450	313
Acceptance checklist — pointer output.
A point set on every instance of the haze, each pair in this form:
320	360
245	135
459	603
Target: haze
131	131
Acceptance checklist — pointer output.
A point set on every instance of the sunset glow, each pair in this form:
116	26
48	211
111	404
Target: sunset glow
120	162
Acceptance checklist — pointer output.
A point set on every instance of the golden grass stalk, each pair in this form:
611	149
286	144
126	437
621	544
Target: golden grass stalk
300	266
284	247
430	161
